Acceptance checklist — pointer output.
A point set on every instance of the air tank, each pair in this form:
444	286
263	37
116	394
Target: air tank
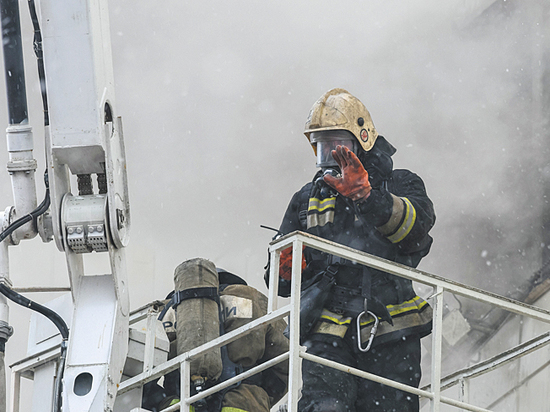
198	318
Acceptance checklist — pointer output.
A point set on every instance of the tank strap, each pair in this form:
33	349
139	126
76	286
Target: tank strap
304	205
193	293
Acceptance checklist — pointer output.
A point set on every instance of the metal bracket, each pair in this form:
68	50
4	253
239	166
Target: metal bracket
84	220
21	166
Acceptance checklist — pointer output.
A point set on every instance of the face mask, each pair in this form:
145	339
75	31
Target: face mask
327	141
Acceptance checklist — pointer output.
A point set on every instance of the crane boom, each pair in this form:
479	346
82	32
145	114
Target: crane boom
84	141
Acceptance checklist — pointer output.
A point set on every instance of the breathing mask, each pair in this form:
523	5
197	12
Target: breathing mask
327	141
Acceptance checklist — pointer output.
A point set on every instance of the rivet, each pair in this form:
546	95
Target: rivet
360	121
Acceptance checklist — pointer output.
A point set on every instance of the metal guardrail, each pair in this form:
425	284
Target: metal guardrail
433	392
297	240
439	284
494	362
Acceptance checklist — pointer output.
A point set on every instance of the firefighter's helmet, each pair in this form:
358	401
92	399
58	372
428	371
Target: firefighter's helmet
337	109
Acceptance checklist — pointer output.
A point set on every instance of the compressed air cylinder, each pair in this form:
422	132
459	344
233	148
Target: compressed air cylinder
198	318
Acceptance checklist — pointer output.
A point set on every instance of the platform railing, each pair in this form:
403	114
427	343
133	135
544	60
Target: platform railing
296	353
439	284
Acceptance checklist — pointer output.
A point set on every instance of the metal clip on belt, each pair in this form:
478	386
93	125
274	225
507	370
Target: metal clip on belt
372	331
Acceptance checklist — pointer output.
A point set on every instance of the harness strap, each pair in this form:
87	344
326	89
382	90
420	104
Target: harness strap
304	205
193	293
372	304
367	284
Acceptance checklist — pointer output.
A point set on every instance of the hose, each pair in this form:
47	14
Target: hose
279	233
58	385
23	301
50	314
37	43
63	330
21	112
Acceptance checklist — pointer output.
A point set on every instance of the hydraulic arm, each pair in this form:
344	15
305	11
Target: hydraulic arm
86	170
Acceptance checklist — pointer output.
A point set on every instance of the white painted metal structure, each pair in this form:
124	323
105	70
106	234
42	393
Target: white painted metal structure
84	137
433	392
40	365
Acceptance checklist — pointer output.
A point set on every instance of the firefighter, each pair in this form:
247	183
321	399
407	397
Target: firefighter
357	199
238	305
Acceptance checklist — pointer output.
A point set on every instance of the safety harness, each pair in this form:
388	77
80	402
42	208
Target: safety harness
346	297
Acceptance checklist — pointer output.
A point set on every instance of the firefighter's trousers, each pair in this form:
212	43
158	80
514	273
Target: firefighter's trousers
327	389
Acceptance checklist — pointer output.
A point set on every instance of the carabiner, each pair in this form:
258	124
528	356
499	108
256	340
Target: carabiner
372	331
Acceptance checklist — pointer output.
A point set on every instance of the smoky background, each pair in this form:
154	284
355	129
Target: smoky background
214	96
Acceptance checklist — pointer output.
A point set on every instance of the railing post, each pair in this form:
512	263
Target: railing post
295	376
464	394
273	290
149	351
436	347
185	385
15	391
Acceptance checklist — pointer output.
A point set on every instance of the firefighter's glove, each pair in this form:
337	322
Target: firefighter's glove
285	263
354	182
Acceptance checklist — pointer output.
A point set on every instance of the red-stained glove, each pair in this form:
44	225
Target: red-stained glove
285	263
354	182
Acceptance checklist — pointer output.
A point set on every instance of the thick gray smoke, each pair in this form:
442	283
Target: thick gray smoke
214	96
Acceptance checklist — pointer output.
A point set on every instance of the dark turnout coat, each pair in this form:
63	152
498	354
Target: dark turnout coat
393	223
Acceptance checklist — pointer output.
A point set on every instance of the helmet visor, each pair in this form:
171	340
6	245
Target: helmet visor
327	141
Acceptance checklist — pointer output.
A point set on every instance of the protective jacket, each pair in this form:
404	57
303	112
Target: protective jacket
392	223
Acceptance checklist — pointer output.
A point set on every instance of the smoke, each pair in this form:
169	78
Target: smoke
219	94
214	96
